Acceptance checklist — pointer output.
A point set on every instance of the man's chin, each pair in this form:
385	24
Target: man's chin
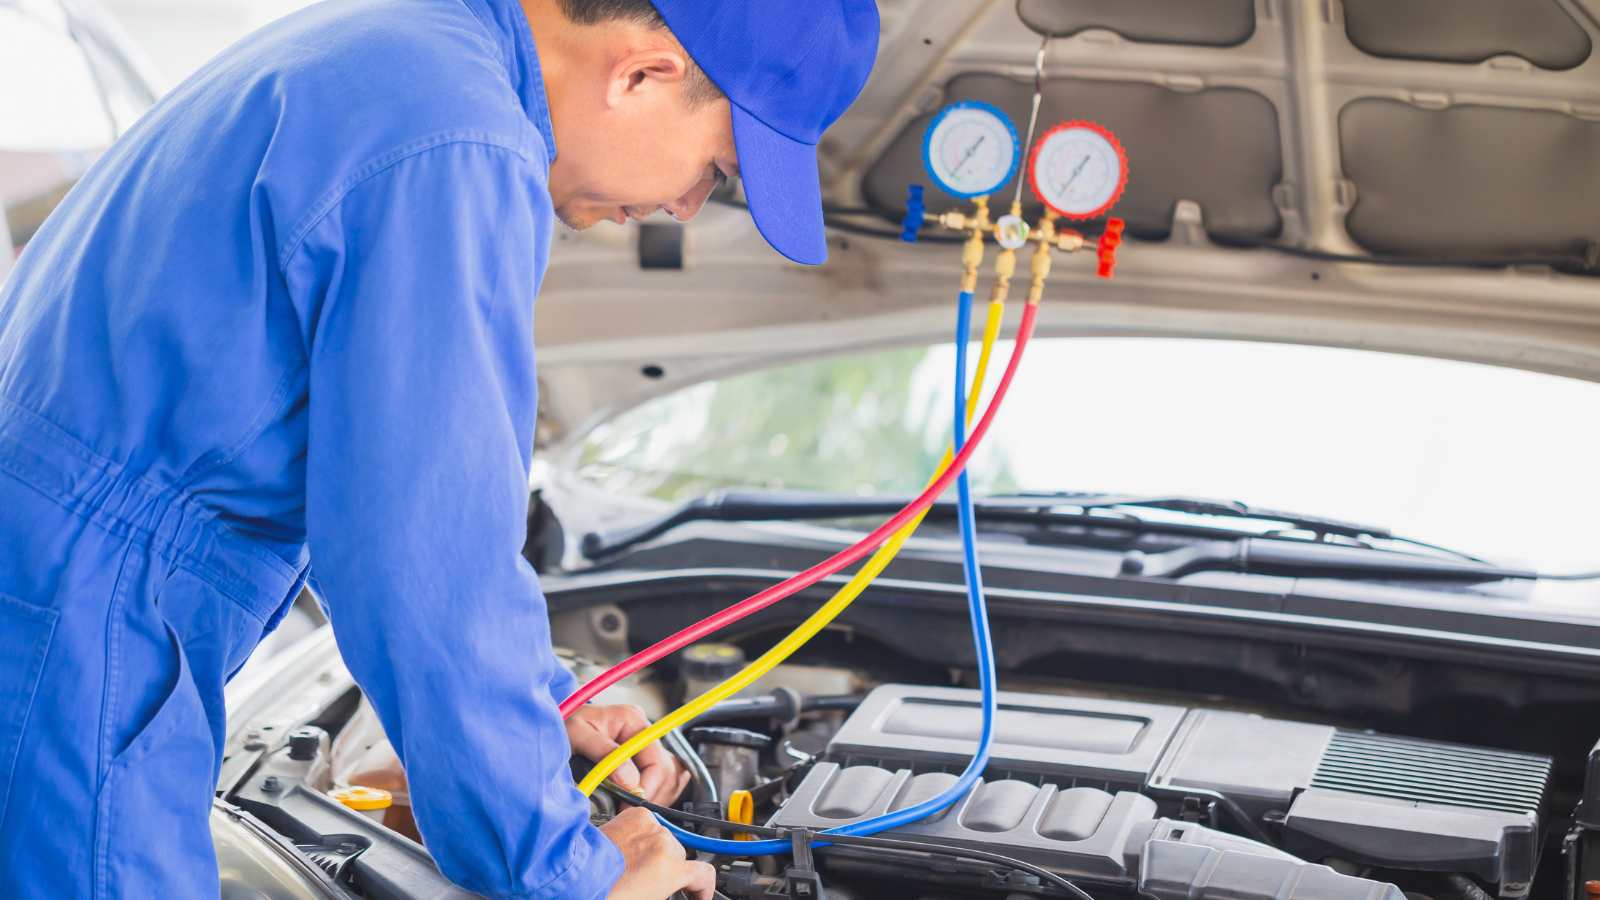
575	220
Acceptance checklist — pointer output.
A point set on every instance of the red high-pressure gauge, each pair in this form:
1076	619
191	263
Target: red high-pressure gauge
1078	169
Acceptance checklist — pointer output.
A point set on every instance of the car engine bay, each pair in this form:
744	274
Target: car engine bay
1115	794
1118	793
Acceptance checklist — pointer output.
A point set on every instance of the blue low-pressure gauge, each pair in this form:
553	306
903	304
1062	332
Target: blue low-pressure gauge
970	149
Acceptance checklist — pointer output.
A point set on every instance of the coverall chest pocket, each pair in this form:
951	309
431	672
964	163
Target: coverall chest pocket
25	633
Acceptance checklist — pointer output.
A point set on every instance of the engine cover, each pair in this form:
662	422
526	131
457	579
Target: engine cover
1071	782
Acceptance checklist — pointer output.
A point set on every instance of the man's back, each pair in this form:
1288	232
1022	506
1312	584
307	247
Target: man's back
288	317
166	264
288	321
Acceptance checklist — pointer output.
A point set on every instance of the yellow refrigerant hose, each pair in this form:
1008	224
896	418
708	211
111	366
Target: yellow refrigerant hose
846	595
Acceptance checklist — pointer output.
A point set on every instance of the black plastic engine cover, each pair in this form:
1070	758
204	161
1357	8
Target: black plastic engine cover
1392	801
1082	832
1106	743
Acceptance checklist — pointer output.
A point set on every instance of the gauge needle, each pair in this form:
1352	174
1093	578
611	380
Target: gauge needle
1075	172
970	150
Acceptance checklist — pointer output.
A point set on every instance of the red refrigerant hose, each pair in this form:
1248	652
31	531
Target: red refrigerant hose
793	585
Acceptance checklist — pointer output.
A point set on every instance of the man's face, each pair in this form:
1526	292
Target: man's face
649	148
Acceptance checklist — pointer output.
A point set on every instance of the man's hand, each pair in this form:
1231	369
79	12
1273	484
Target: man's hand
654	864
597	730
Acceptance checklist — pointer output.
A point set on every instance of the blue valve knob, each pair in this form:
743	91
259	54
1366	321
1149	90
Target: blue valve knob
912	223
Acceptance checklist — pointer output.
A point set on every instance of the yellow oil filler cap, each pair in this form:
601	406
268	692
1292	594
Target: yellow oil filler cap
742	809
364	799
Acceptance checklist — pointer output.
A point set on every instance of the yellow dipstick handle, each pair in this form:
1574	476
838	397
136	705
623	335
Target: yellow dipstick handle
818	620
742	810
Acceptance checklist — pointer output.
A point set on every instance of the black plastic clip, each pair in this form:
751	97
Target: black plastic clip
1196	810
708	808
801	877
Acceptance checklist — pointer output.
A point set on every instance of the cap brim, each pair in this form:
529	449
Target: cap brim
783	189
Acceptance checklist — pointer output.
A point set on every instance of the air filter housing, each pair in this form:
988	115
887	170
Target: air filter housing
1431	772
1424	805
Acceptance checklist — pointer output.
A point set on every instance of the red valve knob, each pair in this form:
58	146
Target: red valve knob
1110	240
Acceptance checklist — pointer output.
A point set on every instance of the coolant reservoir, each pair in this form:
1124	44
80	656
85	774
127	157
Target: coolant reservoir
706	665
362	756
369	801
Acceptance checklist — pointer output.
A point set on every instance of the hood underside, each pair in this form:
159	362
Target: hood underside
1424	132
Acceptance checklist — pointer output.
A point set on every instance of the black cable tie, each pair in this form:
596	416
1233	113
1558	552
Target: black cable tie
800	840
801	877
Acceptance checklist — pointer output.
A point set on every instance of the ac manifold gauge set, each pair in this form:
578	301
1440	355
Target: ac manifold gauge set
1078	170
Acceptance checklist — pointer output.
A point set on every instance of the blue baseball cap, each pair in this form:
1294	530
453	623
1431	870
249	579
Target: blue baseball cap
789	68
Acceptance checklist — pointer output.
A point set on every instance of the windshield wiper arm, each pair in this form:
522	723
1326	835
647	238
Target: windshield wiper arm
1309	559
1215	549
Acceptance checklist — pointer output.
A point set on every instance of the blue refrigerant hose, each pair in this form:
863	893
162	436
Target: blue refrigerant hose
982	643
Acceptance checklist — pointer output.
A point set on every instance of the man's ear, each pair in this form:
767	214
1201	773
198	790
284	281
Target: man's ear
641	71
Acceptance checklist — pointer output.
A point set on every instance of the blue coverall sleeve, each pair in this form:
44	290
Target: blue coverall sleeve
415	290
562	685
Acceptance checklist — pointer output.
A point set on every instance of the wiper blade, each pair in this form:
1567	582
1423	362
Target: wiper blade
794	506
758	506
1206	506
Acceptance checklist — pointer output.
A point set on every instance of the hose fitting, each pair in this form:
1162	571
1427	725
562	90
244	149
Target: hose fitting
1039	266
972	250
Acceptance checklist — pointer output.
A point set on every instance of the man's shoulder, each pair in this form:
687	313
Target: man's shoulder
319	101
383	73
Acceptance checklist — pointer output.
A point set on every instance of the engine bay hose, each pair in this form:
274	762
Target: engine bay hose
790	586
836	605
978	612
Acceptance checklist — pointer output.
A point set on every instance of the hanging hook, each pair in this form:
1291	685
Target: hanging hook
1033	116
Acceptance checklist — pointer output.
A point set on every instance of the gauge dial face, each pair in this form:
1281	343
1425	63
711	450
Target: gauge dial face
1078	169
970	149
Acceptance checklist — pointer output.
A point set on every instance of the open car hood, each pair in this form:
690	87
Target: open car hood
1437	129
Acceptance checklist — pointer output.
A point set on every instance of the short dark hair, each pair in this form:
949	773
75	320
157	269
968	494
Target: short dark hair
698	88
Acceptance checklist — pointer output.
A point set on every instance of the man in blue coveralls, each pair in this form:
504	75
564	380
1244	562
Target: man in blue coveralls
284	328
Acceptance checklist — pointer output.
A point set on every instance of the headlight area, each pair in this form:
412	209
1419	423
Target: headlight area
1118	795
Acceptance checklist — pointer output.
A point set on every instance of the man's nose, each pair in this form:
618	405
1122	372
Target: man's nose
686	207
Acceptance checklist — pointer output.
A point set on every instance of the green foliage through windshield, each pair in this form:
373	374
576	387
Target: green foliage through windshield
858	425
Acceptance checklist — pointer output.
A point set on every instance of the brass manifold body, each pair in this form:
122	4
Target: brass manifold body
1045	236
1011	232
1064	239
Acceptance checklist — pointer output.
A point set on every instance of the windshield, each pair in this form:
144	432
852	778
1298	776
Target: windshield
1493	461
